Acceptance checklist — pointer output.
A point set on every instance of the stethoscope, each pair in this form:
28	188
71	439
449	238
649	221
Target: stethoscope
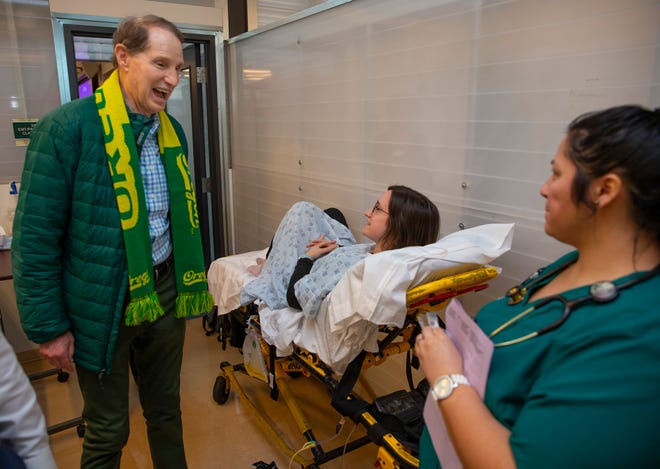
599	292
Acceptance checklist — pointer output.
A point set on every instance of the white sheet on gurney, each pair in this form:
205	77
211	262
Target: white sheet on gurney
228	275
373	293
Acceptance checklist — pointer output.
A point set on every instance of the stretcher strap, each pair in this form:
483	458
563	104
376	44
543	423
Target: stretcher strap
380	424
340	401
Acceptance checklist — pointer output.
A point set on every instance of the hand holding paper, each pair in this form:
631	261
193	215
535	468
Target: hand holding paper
468	352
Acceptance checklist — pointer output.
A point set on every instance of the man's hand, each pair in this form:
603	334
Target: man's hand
59	351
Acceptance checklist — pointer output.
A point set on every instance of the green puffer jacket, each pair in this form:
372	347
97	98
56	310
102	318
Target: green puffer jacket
68	255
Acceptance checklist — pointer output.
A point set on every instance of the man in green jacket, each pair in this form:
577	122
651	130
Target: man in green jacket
107	252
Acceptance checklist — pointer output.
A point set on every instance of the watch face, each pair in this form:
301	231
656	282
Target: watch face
443	387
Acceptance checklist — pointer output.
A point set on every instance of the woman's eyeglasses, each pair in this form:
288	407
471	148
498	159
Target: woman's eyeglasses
378	208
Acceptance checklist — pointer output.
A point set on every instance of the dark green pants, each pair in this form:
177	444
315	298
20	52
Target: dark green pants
157	353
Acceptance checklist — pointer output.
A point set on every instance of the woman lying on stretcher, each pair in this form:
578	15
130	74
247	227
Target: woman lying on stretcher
304	264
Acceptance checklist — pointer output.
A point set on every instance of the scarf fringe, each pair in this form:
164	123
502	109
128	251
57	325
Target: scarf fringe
193	304
144	309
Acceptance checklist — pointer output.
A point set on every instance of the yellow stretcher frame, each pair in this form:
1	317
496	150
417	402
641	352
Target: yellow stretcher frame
432	296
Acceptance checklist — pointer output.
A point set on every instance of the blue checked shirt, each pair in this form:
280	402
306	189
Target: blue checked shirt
156	193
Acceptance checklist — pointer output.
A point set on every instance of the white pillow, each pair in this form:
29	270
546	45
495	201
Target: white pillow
375	289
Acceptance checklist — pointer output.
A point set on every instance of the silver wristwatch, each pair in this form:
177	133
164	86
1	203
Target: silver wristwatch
445	385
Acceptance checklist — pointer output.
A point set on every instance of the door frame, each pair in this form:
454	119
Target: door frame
219	174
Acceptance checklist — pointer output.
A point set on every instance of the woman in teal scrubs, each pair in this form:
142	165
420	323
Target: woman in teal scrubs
574	381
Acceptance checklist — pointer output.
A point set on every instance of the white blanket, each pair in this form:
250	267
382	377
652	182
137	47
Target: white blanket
227	276
370	294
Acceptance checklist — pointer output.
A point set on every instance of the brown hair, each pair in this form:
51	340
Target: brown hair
413	219
133	32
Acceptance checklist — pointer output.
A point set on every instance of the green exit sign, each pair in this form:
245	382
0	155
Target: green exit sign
22	130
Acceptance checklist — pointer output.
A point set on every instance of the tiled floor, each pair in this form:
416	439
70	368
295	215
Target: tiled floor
222	436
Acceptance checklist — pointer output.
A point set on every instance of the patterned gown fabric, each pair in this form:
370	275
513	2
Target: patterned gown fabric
303	223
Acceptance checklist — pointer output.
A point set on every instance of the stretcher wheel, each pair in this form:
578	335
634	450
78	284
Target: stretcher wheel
80	430
62	376
221	390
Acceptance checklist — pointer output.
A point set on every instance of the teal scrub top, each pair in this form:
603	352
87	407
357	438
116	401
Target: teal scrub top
586	395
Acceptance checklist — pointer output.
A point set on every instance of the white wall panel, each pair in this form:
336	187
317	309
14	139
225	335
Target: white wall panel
464	100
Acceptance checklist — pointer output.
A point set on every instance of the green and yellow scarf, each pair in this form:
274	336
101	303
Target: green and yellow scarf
123	162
